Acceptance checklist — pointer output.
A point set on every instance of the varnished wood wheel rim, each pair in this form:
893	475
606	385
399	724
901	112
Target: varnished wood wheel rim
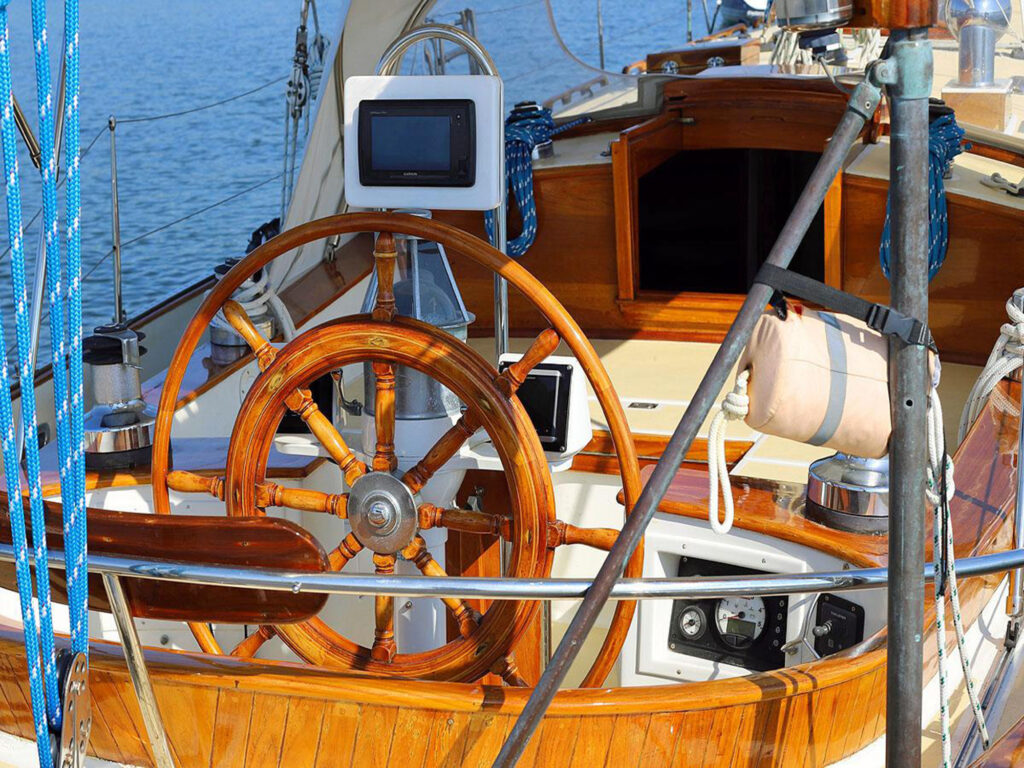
458	367
455	241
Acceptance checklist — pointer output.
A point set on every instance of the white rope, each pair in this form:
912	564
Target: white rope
734	407
939	466
1007	356
254	297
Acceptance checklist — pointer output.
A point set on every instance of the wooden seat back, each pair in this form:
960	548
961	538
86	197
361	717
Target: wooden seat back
209	540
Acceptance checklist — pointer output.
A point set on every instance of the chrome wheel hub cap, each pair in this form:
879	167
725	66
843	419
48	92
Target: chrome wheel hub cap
382	512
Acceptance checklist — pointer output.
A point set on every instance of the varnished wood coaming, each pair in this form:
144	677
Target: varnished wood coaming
1007	752
222	711
250	542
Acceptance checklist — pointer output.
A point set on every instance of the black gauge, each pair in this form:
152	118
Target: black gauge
693	623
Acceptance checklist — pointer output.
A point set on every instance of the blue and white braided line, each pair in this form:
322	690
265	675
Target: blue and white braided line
522	134
75	520
48	170
940	490
37	676
945	141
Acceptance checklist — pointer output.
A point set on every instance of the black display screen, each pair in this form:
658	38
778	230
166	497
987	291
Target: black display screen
411	142
545	396
417	143
540	392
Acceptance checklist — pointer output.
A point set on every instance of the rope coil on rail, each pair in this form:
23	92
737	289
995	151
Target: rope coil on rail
527	127
945	142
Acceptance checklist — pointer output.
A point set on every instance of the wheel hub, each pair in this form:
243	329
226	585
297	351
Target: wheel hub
382	512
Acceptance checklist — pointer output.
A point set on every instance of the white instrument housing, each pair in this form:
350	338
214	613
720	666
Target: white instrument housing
486	94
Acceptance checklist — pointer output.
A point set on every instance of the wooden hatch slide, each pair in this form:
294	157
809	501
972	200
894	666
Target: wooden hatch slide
222	711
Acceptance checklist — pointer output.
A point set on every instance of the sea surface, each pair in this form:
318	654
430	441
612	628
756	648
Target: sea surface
192	187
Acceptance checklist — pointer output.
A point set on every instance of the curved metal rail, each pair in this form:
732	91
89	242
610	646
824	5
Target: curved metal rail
693	588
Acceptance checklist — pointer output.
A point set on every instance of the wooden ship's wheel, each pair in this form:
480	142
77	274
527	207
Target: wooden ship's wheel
383	510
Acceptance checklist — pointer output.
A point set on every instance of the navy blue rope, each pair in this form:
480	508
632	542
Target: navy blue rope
523	132
945	141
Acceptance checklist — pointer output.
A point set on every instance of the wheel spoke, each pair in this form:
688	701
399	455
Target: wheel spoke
384	257
243	325
302	404
341	554
384	417
508	382
464	520
512	378
509	671
446	447
384	646
273	495
250	645
189	482
465	617
560	533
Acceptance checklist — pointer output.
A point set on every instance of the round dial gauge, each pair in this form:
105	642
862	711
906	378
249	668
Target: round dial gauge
740	620
692	623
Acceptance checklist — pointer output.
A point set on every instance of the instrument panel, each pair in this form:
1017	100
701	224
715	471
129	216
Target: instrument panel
747	632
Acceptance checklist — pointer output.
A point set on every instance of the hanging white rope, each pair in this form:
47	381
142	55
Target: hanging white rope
1006	357
254	296
940	490
734	406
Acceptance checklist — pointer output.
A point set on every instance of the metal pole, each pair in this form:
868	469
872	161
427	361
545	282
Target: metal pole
136	662
39	278
115	221
600	34
908	174
31	142
1018	513
860	107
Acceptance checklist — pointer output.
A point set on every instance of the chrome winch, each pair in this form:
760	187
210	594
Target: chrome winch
119	428
849	492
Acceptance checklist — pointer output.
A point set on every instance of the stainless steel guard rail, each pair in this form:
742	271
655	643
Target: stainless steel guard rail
113	569
694	588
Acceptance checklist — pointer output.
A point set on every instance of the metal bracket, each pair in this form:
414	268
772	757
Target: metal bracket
136	663
996	181
76	720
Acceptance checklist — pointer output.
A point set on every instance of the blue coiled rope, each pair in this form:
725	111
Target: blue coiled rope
524	130
945	142
39	638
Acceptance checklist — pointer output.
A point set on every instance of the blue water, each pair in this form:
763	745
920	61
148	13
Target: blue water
149	58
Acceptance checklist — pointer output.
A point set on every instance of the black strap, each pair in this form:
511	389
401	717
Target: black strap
879	317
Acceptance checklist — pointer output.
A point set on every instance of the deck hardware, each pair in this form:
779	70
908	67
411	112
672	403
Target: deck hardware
77	710
136	662
115	221
997	181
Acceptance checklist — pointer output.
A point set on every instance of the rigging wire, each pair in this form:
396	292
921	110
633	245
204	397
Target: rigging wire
211	105
103	259
60	183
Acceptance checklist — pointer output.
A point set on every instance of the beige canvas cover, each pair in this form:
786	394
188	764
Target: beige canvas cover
820	378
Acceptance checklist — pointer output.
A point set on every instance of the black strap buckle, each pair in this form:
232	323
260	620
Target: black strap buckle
889	322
